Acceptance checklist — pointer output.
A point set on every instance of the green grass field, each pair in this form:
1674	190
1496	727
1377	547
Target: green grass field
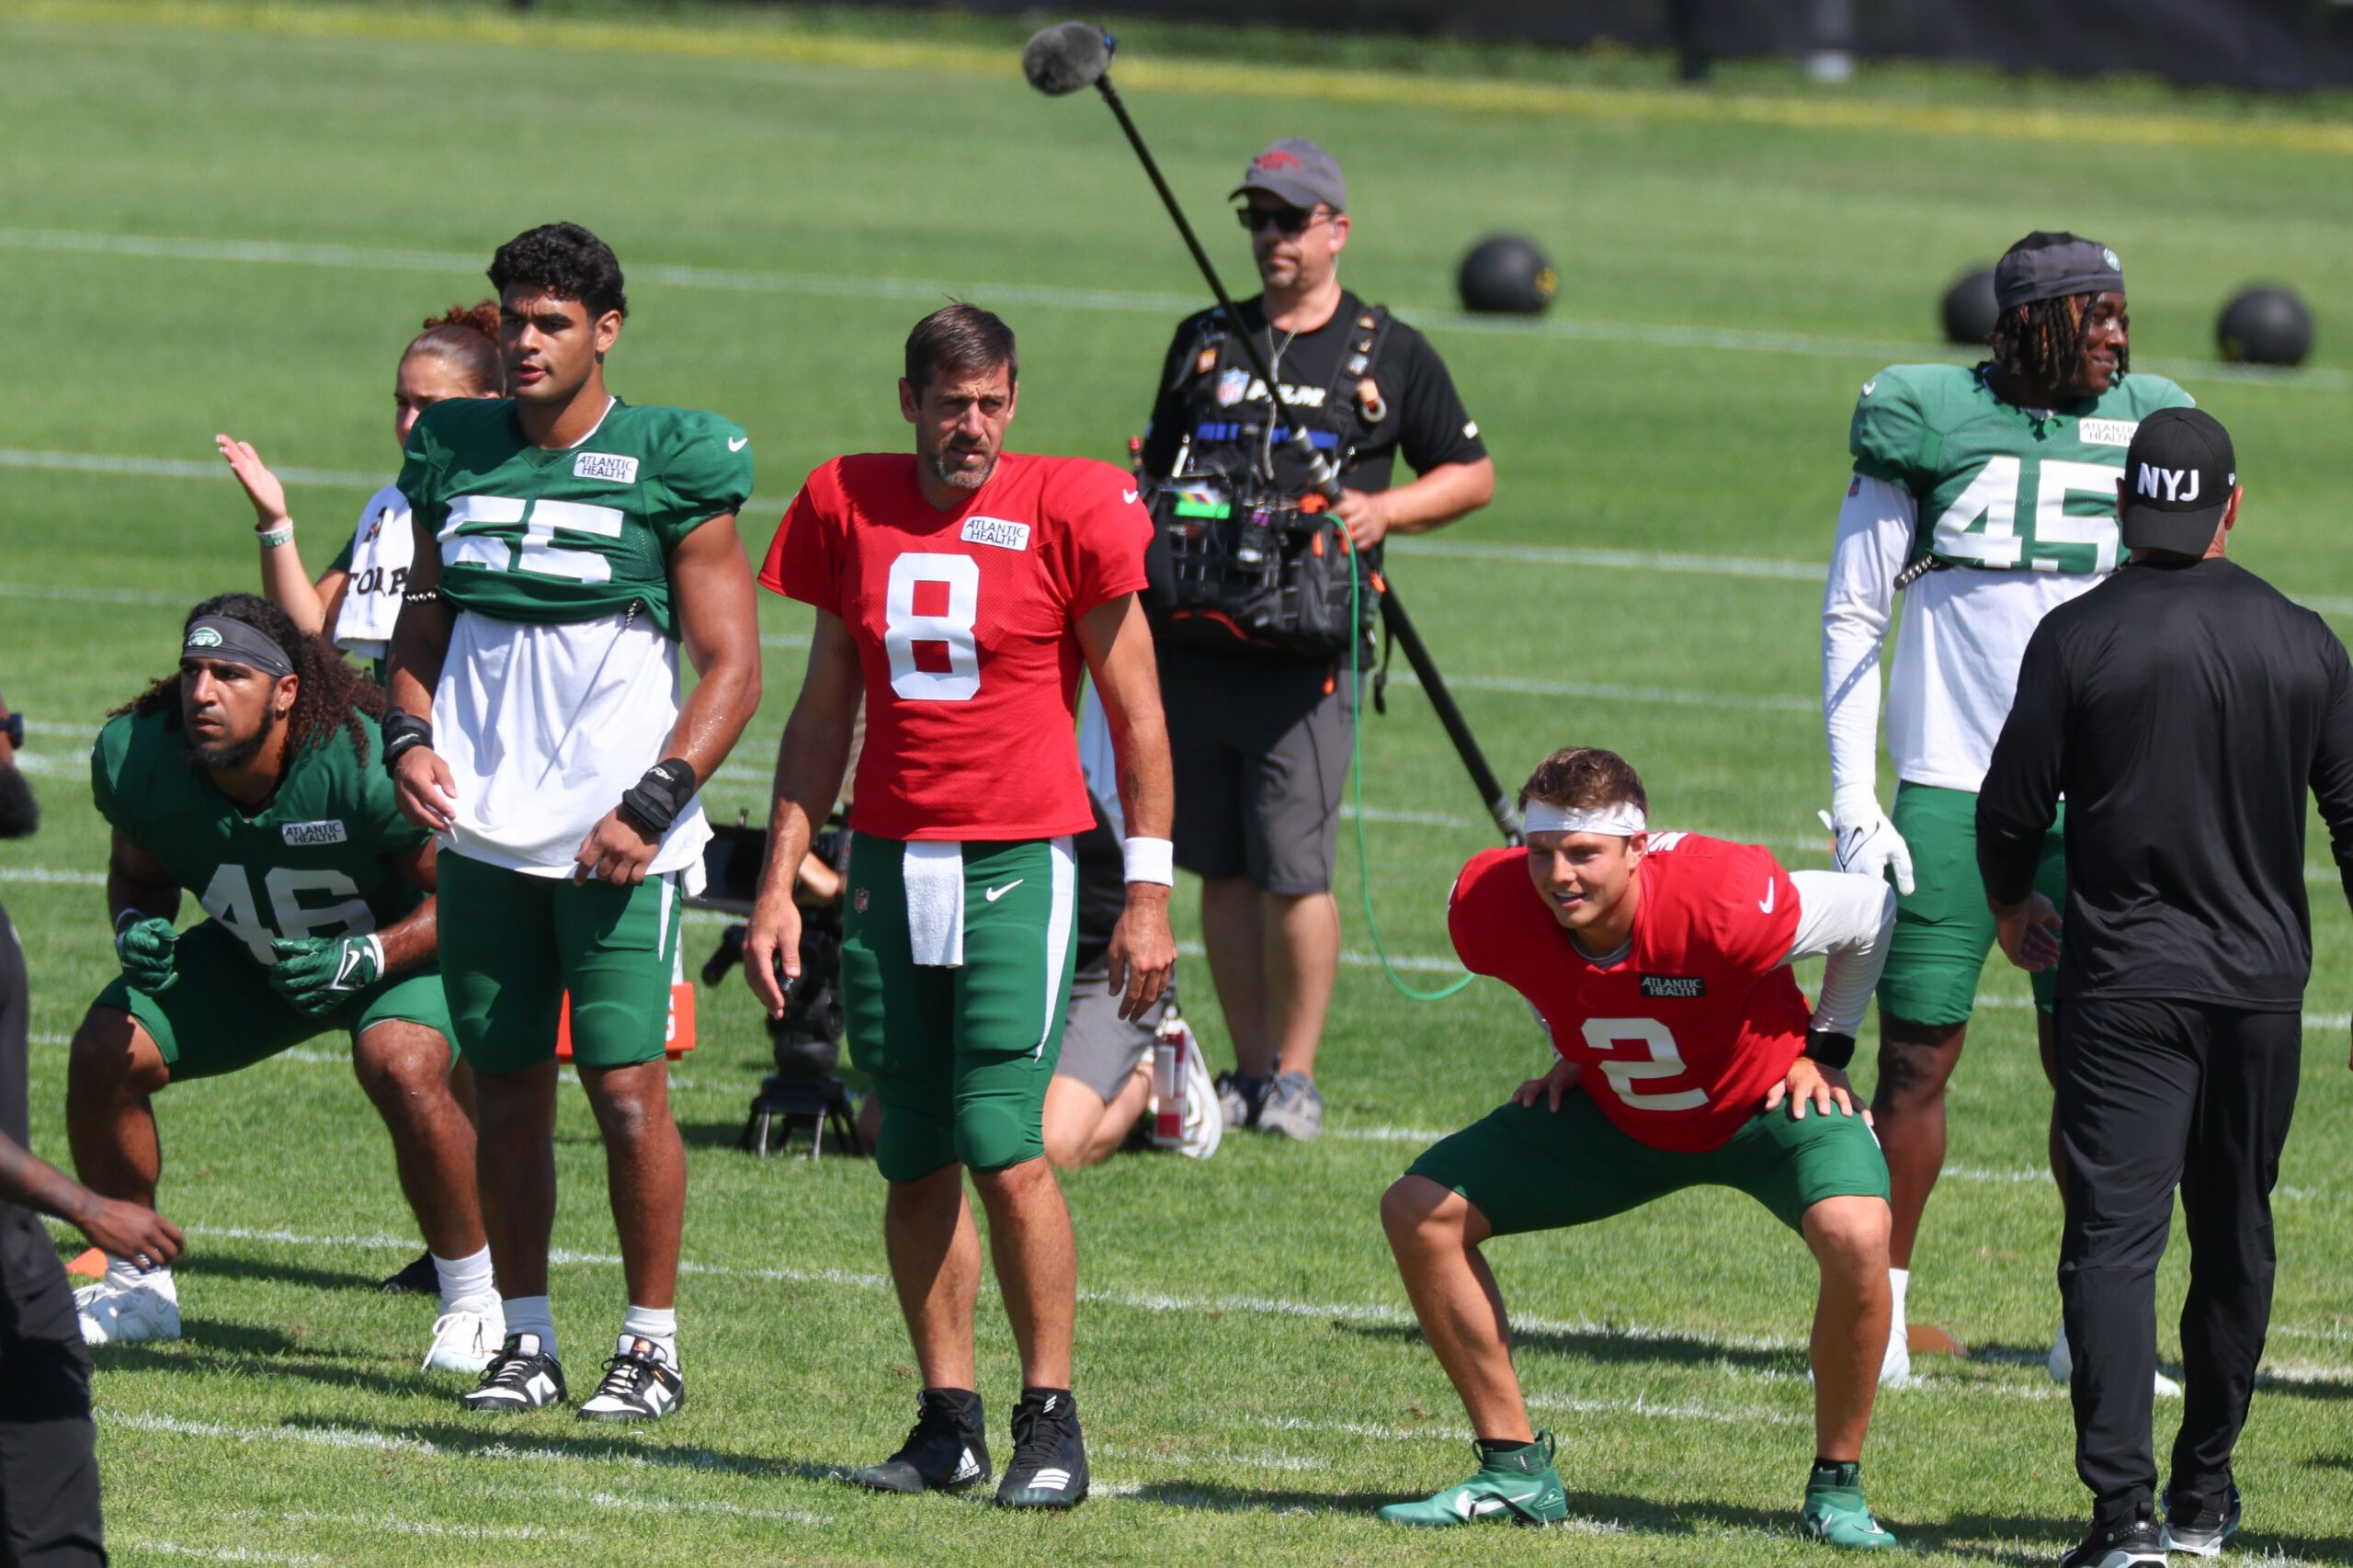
232	219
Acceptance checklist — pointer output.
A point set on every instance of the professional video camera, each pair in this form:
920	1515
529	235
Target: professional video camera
803	1093
1237	565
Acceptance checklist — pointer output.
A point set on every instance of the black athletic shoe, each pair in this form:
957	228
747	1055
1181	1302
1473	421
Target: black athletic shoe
1049	1465
418	1278
520	1377
639	1385
946	1451
2197	1529
2118	1546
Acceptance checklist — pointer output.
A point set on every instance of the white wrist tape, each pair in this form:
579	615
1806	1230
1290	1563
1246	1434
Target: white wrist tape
376	950
1150	860
1623	820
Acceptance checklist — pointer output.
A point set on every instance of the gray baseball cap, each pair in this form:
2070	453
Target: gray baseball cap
1299	172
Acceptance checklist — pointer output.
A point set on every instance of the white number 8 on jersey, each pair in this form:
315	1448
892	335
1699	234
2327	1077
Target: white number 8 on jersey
902	628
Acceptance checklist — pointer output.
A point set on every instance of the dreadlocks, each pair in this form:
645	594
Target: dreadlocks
2042	344
330	695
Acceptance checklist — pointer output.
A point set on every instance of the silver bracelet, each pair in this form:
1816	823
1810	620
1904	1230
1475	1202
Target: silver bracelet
271	539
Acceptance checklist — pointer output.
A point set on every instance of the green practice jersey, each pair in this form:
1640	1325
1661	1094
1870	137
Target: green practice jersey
2001	487
539	536
315	861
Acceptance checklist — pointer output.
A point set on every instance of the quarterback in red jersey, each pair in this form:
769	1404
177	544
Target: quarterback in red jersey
1659	963
959	588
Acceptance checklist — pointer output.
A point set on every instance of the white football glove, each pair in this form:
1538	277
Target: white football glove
1864	843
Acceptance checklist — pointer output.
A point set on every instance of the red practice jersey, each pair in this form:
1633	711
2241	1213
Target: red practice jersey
967	630
1681	1039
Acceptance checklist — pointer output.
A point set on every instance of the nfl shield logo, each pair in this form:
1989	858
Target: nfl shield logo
1231	386
858	901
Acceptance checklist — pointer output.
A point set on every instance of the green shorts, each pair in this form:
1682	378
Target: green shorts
513	945
960	1057
1943	931
1528	1168
220	1015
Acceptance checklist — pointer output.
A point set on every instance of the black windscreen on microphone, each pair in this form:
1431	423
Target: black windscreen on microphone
1066	57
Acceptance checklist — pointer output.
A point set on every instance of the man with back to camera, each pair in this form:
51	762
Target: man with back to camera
49	1462
2184	708
568	544
1992	490
251	778
1659	964
960	586
1261	742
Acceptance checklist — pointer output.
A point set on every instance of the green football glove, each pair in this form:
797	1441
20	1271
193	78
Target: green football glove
144	945
318	974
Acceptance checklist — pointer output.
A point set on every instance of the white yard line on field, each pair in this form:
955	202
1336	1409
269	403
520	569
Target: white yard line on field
133	1545
1565	329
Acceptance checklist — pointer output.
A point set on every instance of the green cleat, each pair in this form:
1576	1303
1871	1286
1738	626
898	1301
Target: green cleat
1520	1487
1835	1513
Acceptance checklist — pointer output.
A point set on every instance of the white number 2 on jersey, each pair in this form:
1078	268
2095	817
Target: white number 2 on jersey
1664	1061
902	628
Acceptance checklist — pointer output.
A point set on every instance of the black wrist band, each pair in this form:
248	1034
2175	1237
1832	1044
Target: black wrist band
1829	1050
655	800
403	730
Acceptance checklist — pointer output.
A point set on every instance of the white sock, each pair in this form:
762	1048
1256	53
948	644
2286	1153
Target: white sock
466	1282
125	1274
1897	1280
658	1324
529	1314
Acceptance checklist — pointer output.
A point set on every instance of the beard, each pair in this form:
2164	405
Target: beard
231	754
961	478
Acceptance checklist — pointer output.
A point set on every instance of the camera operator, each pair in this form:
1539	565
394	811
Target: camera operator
1260	729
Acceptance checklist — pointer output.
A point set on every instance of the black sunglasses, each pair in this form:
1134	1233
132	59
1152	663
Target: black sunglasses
1288	221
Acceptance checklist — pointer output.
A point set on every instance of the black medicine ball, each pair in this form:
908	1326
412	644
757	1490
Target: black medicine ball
1506	275
1970	312
2264	326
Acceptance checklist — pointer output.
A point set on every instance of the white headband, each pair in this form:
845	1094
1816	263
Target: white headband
1625	819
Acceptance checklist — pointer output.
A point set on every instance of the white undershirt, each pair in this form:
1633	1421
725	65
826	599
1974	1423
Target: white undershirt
1957	653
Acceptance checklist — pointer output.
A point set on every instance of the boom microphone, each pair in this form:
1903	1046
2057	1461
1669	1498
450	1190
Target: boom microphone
1065	57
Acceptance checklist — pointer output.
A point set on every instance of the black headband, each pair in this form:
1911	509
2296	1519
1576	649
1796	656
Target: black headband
2052	266
219	637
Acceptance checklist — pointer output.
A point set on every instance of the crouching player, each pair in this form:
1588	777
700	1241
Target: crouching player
1659	963
251	778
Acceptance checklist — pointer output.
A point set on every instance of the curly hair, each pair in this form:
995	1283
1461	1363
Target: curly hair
1585	778
329	696
564	260
2041	344
465	339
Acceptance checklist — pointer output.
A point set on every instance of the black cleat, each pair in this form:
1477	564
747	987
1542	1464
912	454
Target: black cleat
639	1385
1049	1465
520	1377
946	1451
418	1278
2135	1542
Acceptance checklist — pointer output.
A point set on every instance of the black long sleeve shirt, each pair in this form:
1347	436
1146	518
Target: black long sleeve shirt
2183	708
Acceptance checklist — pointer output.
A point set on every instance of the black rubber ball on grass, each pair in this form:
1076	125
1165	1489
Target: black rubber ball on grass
1970	313
1506	275
2264	326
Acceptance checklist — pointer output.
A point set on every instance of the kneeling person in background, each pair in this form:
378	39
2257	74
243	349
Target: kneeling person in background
250	778
1659	963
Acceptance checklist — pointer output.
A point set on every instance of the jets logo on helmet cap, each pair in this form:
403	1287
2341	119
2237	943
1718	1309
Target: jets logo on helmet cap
204	637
